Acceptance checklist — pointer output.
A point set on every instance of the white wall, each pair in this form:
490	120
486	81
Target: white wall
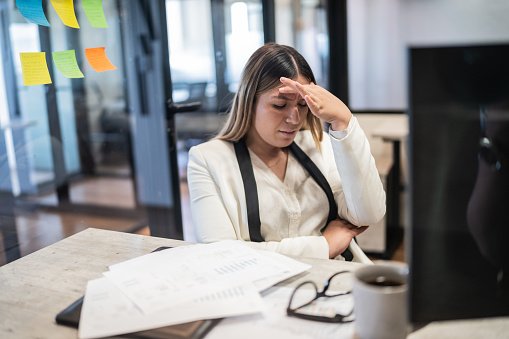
380	31
375	55
450	22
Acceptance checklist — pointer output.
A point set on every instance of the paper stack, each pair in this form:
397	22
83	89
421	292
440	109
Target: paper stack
182	284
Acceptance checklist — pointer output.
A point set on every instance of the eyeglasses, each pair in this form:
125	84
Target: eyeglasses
302	298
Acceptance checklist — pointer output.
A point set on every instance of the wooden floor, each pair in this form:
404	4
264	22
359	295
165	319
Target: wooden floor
44	226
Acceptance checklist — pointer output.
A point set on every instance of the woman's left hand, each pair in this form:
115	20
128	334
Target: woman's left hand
322	103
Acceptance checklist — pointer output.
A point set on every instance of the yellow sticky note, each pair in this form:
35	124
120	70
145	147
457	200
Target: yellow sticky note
65	10
95	14
66	63
34	68
98	59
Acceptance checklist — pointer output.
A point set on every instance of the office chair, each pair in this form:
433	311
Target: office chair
358	254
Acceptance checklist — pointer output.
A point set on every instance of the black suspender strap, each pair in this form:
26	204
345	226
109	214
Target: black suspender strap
315	173
253	209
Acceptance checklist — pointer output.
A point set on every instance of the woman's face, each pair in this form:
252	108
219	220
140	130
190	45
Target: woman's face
278	117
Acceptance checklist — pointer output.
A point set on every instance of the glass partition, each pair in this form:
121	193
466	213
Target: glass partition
65	146
84	127
302	24
192	52
32	142
206	56
244	34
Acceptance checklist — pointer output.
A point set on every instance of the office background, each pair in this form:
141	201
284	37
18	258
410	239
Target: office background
106	151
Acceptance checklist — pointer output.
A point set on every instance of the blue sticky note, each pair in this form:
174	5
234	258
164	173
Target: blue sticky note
32	11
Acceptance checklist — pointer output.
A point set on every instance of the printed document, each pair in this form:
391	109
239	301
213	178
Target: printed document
179	275
182	284
107	311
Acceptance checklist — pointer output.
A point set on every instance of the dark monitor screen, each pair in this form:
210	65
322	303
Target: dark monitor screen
458	236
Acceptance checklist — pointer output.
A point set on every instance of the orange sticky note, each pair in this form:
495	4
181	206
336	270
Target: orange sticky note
98	60
65	10
34	68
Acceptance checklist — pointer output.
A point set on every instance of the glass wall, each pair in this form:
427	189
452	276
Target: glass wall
8	174
34	137
244	35
302	24
100	98
210	42
102	144
207	57
83	128
192	52
65	151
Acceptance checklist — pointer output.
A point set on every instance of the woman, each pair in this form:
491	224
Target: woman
271	176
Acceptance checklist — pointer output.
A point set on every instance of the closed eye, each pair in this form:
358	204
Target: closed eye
279	106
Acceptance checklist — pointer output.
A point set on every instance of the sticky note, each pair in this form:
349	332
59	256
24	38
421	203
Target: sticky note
66	63
34	68
32	11
65	10
95	14
98	59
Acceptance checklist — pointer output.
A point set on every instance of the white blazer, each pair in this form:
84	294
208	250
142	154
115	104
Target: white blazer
291	212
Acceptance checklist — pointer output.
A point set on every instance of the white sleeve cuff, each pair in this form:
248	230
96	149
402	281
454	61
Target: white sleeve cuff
340	135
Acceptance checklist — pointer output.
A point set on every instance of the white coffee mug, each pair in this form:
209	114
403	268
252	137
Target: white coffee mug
380	301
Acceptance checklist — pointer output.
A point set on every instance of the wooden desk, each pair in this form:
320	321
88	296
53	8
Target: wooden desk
33	289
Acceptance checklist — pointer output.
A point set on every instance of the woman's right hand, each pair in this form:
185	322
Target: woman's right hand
322	103
339	233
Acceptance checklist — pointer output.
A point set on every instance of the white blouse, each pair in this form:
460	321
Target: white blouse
291	212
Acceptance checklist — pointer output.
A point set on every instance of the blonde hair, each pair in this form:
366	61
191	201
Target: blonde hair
262	73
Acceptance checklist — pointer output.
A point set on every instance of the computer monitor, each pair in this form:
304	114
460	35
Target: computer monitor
458	196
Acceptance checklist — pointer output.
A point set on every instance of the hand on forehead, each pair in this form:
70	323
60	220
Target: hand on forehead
290	87
322	103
